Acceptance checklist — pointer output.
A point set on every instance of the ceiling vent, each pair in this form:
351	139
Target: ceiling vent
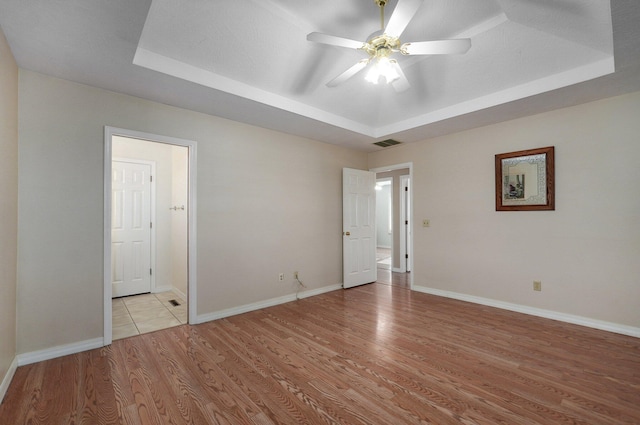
387	143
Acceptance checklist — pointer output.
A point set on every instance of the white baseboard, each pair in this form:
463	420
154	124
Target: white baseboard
547	314
8	377
59	351
179	293
264	304
159	289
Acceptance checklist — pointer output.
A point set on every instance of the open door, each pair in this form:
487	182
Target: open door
358	227
131	228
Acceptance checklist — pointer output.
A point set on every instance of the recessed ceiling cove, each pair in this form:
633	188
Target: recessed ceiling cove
258	50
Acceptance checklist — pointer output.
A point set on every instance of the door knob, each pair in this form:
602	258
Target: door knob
346	233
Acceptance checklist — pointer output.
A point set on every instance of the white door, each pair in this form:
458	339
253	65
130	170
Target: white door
358	227
130	228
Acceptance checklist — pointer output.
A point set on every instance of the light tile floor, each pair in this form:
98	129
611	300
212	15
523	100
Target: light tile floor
144	313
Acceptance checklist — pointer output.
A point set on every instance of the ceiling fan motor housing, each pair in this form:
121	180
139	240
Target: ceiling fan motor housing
381	46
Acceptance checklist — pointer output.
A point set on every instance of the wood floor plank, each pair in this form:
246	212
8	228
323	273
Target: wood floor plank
375	354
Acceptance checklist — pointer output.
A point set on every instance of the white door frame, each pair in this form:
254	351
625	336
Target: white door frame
405	224
109	132
408	165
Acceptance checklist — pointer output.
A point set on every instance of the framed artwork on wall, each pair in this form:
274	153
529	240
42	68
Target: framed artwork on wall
525	180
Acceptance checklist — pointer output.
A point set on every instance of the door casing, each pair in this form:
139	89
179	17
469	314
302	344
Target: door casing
109	132
409	244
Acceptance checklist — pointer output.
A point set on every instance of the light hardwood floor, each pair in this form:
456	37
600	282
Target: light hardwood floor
375	354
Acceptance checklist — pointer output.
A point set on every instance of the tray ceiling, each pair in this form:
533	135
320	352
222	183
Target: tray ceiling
249	60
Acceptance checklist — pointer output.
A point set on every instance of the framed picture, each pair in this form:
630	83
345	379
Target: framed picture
525	180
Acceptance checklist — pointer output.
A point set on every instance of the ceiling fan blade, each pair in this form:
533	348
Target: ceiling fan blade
402	15
348	73
437	47
332	40
401	83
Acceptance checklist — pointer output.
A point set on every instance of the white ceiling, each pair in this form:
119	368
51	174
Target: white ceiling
249	60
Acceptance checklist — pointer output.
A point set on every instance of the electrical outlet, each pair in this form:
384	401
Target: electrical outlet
281	277
537	285
426	223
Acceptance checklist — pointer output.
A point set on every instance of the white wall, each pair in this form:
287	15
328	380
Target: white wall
383	213
268	202
8	210
585	252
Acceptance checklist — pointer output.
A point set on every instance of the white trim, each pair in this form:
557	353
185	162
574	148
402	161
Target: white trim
8	377
264	304
152	194
402	234
175	68
161	289
106	237
178	292
109	132
405	229
59	351
531	88
533	311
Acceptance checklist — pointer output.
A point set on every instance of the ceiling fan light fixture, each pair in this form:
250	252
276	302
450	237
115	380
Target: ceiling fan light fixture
385	43
382	69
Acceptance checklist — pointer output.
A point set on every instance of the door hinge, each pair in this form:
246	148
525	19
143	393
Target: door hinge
406	256
151	179
406	188
406	222
150	225
150	271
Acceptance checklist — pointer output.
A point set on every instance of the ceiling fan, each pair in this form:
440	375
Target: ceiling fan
382	44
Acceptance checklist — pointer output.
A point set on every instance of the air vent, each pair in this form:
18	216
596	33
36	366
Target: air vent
174	303
387	143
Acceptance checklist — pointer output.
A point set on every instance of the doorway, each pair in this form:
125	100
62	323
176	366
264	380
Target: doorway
384	222
149	284
393	212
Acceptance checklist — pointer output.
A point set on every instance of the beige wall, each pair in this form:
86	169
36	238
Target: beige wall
267	203
179	222
270	202
8	205
585	252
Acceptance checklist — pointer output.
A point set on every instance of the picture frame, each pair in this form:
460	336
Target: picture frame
525	180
